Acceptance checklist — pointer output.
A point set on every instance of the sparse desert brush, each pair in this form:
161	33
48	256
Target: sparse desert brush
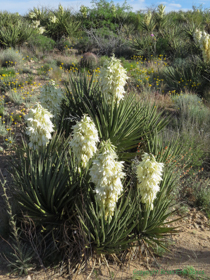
11	57
67	62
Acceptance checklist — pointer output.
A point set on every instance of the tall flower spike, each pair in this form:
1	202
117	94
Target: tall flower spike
85	137
113	79
149	174
39	126
106	173
203	40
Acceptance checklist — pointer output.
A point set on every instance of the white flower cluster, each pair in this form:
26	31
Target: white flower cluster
203	40
161	11
36	13
32	15
35	23
41	30
39	127
113	79
53	19
148	17
106	173
149	175
113	9
60	8
51	97
83	11
85	137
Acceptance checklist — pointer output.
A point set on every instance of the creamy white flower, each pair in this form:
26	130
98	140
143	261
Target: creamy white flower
53	19
203	40
83	11
106	173
149	174
41	30
85	138
61	10
113	79
35	23
32	15
148	17
39	126
51	97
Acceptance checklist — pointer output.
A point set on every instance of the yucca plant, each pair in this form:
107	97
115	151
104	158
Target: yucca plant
65	24
152	227
46	181
144	45
73	106
183	77
13	35
125	123
112	235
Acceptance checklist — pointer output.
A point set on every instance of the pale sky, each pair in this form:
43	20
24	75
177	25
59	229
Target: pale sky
23	6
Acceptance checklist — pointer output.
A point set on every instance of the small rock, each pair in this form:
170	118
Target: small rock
204	218
202	227
195	225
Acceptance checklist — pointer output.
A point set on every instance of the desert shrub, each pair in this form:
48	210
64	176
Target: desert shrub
163	46
85	44
105	40
8	82
65	24
185	76
14	30
42	42
67	62
7	72
102	59
10	57
144	45
201	191
104	15
192	110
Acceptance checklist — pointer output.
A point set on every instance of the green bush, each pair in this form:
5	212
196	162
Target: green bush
14	30
43	43
144	45
65	25
104	15
10	57
184	76
163	46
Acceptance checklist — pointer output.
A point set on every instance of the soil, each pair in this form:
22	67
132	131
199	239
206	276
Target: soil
191	247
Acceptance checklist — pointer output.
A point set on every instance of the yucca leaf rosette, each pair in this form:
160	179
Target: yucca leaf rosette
84	141
149	174
106	173
113	79
39	126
